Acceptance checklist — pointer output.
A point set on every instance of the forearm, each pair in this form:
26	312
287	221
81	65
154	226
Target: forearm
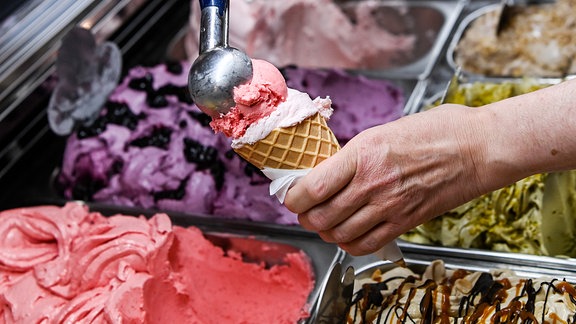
528	134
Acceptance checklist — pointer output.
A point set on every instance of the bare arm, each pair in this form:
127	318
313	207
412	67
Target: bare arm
393	177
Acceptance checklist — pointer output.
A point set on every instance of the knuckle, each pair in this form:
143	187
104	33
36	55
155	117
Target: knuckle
340	236
319	222
317	190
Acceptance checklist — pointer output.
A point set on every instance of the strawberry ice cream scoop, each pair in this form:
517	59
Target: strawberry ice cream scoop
254	100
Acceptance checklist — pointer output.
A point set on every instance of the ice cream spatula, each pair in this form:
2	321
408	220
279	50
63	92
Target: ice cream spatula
219	68
336	296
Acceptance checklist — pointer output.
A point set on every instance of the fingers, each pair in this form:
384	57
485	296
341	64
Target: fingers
372	241
326	179
353	226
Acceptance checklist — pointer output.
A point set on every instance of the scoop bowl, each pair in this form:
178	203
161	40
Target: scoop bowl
213	77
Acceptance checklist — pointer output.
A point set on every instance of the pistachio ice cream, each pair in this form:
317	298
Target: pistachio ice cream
534	215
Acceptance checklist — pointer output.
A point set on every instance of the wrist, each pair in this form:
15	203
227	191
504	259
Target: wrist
487	147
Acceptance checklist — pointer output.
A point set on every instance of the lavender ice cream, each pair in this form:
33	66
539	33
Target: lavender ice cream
151	147
359	102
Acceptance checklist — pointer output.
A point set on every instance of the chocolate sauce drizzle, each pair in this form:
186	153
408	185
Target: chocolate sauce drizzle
485	303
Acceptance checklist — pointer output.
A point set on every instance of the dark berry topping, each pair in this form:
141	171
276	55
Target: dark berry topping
205	157
156	100
117	113
181	92
174	68
160	138
96	128
116	167
142	84
85	188
218	171
256	175
176	194
230	154
202	118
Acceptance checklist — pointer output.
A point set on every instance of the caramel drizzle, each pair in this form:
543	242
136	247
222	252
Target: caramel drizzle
484	303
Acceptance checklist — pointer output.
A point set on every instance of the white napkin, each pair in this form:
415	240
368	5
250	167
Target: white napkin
282	180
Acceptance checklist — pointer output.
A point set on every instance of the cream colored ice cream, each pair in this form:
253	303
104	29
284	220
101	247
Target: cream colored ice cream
441	295
70	265
539	41
534	215
308	33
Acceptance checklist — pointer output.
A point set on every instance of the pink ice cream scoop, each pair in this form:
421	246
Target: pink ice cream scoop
254	100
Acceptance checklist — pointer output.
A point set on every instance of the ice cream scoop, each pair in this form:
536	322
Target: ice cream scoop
219	68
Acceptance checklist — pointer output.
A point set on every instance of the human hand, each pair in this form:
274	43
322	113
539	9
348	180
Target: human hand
391	178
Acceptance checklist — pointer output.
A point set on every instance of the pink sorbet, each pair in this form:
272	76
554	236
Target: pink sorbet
70	265
254	100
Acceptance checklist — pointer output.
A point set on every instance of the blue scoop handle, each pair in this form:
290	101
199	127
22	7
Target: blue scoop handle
220	4
214	23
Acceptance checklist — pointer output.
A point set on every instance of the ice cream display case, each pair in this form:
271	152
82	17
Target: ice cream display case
219	193
487	222
401	39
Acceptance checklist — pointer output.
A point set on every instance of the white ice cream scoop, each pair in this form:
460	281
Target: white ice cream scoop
219	68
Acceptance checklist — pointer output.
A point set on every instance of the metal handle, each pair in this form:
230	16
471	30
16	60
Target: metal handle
213	24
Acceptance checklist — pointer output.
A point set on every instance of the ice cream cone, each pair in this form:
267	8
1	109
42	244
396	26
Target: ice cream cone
301	146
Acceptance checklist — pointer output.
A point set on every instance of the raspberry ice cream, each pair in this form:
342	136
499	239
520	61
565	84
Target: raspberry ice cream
67	264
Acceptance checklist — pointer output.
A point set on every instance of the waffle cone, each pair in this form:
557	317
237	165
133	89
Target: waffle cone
301	146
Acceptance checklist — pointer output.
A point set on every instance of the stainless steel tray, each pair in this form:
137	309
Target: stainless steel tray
430	21
525	265
429	91
248	237
418	257
459	33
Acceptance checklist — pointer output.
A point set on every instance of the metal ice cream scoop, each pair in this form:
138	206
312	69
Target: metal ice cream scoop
219	68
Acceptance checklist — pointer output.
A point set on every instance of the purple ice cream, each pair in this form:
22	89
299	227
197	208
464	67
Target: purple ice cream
359	102
152	147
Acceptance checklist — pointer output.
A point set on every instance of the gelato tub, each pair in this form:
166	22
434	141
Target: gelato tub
73	263
479	91
258	242
396	38
460	286
540	41
151	147
532	216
